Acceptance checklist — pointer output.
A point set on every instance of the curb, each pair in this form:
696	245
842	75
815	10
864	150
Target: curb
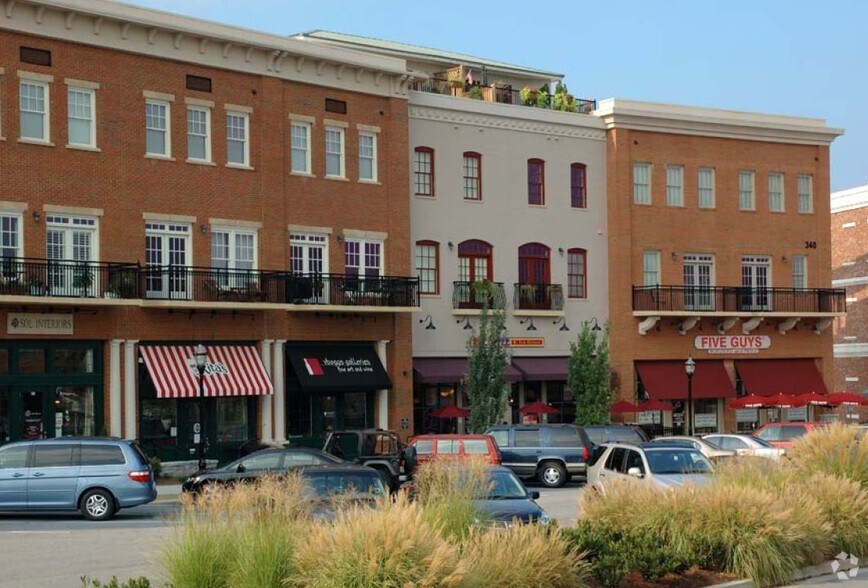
823	569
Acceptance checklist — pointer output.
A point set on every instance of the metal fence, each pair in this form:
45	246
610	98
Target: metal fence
538	296
738	299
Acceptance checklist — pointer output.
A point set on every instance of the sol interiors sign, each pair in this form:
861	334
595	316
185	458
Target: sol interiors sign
732	344
32	323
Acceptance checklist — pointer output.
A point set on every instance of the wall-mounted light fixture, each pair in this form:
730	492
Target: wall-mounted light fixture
596	326
563	321
467	326
530	325
430	326
339	238
783	257
203	228
37	215
561	250
674	255
451	245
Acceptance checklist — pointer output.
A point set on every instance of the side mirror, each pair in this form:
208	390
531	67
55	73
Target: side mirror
241	469
534	495
635	472
409	455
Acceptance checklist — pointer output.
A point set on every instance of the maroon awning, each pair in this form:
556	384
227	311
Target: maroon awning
667	380
448	370
767	377
542	368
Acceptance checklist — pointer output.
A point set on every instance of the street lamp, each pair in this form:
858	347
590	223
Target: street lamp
689	368
201	358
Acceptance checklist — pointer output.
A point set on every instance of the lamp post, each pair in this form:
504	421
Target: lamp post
201	359
689	368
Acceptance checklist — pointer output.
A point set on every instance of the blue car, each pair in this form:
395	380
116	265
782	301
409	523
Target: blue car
508	500
97	476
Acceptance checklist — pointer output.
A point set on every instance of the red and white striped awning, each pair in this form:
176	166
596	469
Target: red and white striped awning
230	370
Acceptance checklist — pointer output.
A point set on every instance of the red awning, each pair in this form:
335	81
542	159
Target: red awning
542	368
447	370
666	380
768	377
230	370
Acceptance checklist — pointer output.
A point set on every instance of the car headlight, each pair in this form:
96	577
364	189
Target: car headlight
544	518
194	480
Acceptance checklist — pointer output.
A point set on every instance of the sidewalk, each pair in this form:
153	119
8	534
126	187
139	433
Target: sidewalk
168	492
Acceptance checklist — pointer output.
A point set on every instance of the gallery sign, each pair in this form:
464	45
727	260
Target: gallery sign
732	343
515	342
33	323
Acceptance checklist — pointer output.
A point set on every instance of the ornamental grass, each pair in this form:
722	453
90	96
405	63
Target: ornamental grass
836	449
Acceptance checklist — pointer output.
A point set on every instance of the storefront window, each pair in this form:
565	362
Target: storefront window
4	361
354	410
160	421
31	361
232	420
5	414
75	405
705	416
73	360
561	398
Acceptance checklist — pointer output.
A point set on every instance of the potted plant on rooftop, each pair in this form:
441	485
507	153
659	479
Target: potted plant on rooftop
563	100
35	285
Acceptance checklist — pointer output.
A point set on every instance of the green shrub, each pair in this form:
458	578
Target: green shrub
448	489
140	582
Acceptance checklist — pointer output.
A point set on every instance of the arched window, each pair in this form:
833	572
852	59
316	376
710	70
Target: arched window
536	182
475	261
533	264
423	171
578	185
472	175
428	266
577	273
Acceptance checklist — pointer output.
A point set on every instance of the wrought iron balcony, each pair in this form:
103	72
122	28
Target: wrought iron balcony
538	297
686	300
22	276
473	296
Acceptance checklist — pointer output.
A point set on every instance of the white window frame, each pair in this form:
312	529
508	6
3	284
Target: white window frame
374	175
341	153
167	230
245	116
19	233
806	193
699	296
167	154
746	194
362	242
775	176
309	240
642	190
91	93
234	233
651	267
62	279
705	193
308	129
800	272
675	185
46	112
207	136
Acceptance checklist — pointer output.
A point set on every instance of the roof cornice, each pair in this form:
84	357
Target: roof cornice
850	199
713	122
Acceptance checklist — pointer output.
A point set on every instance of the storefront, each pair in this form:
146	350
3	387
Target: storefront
770	377
172	414
50	389
544	379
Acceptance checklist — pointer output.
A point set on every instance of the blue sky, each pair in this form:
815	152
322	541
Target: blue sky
778	56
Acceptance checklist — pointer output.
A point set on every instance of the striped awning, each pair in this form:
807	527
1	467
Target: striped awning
230	370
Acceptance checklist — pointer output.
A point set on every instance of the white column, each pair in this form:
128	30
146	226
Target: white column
115	399
279	391
544	397
382	395
131	425
266	430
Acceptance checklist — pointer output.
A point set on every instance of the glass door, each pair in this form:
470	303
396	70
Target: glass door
698	282
167	258
69	241
36	419
755	280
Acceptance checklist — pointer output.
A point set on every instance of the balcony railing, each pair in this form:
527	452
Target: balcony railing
501	93
22	276
738	299
466	296
538	297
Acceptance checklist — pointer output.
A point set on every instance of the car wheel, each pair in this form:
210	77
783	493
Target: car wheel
552	474
98	505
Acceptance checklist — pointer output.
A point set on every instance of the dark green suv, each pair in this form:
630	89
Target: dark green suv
381	450
550	453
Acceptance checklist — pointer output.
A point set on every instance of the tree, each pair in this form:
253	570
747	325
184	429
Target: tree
487	358
589	377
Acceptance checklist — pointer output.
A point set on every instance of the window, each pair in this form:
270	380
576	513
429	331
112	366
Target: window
578	185
427	265
34	111
299	133
746	199
97	455
10	236
755	280
82	121
199	133
698	281
423	171
536	182
706	187
447	446
533	263
167	255
642	183
472	176
233	249
13	457
308	253
52	456
198	83
474	261
237	143
368	157
157	128
776	192
800	272
71	239
650	268
566	437
806	194
335	152
363	258
675	185
577	273
527	438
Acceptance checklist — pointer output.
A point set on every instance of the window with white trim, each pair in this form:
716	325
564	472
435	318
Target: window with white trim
335	166
746	193
167	256
806	194
10	235
233	249
237	138
650	267
199	133
299	135
81	115
308	253
34	106
71	239
800	272
157	128
675	185
368	156
642	183
363	257
776	192
756	280
706	187
698	274
427	266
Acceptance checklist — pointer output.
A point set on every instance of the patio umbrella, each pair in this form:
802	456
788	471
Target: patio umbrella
783	401
538	408
813	399
623	406
839	398
452	412
655	405
751	401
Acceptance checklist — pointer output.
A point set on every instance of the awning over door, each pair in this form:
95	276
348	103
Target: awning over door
448	370
337	367
765	377
542	368
230	370
667	380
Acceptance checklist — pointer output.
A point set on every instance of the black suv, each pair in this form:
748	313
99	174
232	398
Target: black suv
381	450
550	453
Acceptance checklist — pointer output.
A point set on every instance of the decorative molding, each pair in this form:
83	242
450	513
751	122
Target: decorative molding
311	120
198	102
368	128
97	25
238	108
158	96
357	234
339	72
751	324
787	325
81	84
309	229
687	324
224	222
203	45
169	218
850	199
36	77
11	206
648	324
330	122
10	6
70	17
125	31
726	324
58	209
822	324
177	40
40	13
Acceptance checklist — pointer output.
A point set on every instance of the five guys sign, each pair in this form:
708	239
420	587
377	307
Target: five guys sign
732	343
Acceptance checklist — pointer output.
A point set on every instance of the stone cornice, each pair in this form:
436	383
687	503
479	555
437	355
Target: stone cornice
850	199
712	122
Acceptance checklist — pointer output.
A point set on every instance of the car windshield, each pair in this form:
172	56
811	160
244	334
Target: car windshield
761	442
329	484
677	461
625	434
505	485
711	444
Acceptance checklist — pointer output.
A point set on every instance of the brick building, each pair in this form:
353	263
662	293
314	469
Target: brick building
168	182
720	250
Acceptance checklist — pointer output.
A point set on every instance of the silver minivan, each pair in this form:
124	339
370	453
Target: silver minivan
97	476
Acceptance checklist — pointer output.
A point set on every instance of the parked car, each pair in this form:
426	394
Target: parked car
550	453
602	434
455	446
508	500
381	450
746	445
785	434
94	475
274	461
663	465
331	487
705	446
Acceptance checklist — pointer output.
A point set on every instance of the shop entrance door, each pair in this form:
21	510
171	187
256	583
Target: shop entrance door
343	410
32	414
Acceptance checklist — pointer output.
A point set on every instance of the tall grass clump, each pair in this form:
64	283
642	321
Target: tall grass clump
844	506
447	491
837	449
756	472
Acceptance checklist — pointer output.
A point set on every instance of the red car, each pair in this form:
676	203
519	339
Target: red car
785	434
455	446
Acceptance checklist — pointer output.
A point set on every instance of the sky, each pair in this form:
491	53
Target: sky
790	57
